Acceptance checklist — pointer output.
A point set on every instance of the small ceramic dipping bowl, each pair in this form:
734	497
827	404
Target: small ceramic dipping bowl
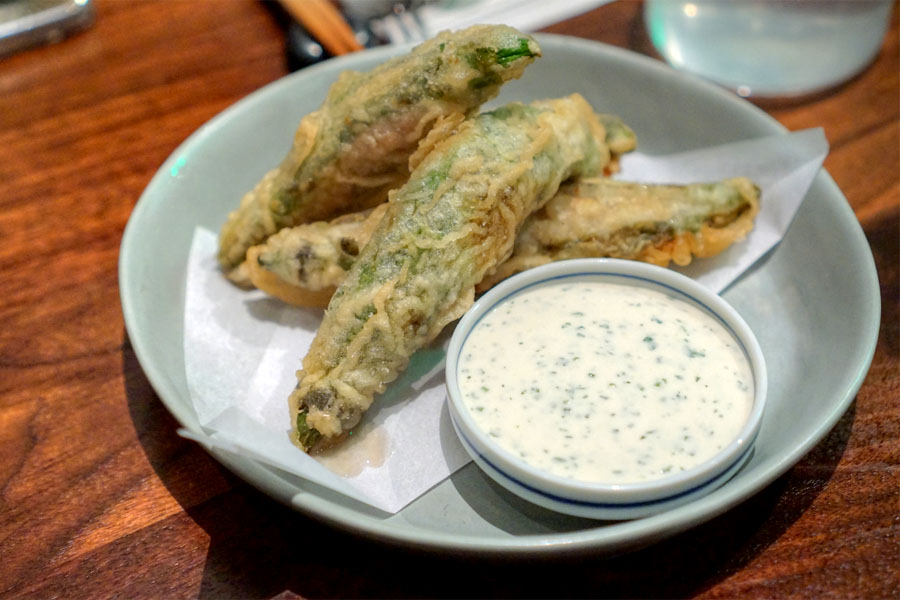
606	388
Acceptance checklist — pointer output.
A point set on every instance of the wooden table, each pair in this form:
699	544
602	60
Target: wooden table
98	495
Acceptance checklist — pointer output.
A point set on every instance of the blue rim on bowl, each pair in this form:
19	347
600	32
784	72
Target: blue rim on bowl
604	500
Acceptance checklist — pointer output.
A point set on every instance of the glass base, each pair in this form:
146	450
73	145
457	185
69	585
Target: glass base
769	48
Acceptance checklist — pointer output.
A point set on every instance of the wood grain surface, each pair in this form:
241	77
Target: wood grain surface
100	498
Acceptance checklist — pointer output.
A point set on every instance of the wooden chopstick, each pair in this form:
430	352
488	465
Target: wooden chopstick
325	23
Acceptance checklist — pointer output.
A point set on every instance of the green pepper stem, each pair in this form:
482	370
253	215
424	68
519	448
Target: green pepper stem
306	435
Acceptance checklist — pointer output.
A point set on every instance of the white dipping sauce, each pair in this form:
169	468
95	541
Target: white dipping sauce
603	382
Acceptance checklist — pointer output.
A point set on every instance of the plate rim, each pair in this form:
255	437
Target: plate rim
614	537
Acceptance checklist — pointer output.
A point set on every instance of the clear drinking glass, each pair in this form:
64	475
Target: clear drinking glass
769	48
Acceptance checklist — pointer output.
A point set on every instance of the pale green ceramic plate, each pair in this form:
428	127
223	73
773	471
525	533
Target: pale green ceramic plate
813	302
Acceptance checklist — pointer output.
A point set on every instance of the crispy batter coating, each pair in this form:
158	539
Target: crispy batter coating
658	224
302	265
452	222
347	155
311	257
587	218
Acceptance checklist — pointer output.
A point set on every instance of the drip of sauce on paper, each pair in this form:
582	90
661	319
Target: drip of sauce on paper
366	447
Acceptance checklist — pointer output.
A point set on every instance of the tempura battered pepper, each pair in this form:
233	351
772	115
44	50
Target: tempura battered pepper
620	139
302	265
452	222
587	218
652	223
348	154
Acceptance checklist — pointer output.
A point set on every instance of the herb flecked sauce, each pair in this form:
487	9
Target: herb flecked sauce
604	382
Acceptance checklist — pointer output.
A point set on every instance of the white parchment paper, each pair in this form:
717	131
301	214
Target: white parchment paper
242	349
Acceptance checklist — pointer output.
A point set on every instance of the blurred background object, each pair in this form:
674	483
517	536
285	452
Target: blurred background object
27	23
416	20
769	48
325	23
377	22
